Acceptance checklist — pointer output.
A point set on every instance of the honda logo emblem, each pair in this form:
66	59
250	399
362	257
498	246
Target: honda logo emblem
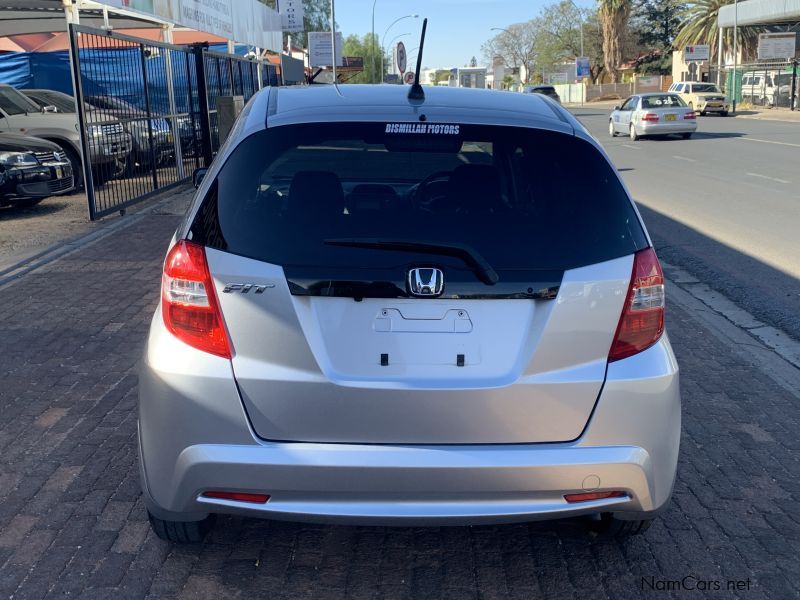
425	282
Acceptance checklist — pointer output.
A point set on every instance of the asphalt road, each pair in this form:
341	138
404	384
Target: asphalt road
724	205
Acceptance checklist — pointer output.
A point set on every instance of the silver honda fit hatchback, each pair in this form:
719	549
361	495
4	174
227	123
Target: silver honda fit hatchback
382	310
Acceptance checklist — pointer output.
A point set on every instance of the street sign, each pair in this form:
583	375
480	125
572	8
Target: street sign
401	57
292	14
582	67
408	78
320	53
698	53
776	45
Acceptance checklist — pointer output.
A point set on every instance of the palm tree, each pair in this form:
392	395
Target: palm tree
699	26
613	16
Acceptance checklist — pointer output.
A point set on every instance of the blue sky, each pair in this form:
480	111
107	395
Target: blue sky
456	28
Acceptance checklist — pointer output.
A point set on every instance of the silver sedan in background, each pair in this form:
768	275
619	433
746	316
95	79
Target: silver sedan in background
653	114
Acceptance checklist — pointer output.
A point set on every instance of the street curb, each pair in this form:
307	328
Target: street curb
16	271
774	351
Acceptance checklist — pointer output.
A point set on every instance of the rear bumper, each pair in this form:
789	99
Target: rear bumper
684	126
191	444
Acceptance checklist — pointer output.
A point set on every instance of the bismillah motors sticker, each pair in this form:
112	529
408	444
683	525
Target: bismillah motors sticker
423	128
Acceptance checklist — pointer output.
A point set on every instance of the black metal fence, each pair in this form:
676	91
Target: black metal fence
147	111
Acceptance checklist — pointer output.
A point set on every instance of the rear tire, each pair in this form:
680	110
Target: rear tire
77	168
633	135
724	113
686	136
702	113
609	526
181	532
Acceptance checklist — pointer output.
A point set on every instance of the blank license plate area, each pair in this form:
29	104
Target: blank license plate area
670	117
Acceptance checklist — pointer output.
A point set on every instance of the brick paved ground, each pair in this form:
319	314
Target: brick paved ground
72	523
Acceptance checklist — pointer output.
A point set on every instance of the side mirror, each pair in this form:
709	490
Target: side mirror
198	175
49	109
617	107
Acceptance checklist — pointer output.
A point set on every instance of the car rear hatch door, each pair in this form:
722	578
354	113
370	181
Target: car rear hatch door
351	317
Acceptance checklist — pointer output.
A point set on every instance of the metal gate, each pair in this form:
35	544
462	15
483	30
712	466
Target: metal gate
774	84
147	111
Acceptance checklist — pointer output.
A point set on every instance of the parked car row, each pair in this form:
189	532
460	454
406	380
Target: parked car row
123	140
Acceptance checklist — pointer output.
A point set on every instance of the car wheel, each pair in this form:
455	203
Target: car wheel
77	168
724	113
611	131
686	136
702	113
633	134
103	173
181	532
607	525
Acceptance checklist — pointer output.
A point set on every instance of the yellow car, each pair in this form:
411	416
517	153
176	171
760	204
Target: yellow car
702	97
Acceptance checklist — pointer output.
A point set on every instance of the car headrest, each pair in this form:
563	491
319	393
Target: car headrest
475	188
315	194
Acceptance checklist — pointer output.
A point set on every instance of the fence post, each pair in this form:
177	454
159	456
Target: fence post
202	98
793	93
84	154
176	133
153	165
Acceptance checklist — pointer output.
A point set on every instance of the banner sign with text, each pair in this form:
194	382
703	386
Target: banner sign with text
776	45
292	14
244	21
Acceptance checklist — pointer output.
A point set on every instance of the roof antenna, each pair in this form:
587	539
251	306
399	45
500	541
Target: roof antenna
416	92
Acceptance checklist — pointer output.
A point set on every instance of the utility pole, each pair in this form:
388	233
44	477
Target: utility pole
333	39
372	46
735	49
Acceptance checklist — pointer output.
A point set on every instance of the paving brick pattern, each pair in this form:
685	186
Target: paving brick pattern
72	523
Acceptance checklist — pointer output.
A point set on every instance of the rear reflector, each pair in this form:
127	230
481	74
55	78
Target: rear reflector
588	496
238	497
189	304
642	321
690	115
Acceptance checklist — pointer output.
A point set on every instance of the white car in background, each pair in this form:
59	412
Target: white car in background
653	114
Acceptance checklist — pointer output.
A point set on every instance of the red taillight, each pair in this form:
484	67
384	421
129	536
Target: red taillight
690	115
190	307
572	498
238	496
651	117
642	320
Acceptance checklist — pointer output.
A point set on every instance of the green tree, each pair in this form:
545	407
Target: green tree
559	39
362	47
657	22
516	45
699	26
613	16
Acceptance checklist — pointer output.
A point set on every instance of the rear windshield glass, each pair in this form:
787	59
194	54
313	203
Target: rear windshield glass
708	87
523	199
665	101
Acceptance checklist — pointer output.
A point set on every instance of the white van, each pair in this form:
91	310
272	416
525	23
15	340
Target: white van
760	87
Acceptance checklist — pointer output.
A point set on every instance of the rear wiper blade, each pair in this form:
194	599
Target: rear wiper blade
469	255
